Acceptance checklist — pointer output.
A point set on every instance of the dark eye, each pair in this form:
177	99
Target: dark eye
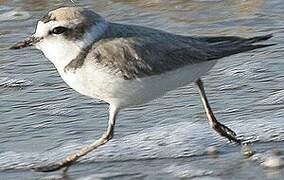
59	30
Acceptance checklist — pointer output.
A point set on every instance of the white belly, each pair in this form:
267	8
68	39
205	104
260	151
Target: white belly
122	93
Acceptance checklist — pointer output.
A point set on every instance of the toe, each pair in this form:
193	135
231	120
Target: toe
47	168
227	132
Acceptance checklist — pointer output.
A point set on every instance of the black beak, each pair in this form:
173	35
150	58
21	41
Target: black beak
26	43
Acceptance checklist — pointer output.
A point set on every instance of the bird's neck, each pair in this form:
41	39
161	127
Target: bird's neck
62	52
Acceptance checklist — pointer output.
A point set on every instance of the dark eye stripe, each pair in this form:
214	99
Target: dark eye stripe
59	30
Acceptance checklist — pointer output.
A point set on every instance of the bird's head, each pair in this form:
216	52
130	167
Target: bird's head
64	32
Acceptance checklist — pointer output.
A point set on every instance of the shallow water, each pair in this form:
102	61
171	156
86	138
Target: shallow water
42	119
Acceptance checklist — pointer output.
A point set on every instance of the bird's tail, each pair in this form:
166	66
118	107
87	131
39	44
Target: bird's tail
251	41
229	45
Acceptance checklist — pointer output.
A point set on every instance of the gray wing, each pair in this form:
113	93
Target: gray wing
140	57
137	57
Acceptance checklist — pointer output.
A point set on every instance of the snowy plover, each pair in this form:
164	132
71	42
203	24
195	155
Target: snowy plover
126	65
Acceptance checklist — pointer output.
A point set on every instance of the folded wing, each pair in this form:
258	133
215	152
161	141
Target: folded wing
137	57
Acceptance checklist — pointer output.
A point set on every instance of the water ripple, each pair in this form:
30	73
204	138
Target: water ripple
14	83
14	15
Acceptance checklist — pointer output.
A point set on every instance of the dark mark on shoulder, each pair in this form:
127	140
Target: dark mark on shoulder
79	60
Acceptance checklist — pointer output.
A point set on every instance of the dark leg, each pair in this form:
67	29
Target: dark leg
218	127
69	160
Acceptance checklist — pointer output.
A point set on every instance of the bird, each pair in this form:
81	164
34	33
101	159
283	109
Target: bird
127	65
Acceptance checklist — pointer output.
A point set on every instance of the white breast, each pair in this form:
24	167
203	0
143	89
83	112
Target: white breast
97	83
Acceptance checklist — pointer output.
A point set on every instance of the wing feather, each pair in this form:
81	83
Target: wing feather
135	51
140	57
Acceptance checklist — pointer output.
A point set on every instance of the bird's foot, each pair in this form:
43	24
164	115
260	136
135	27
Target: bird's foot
51	167
226	132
